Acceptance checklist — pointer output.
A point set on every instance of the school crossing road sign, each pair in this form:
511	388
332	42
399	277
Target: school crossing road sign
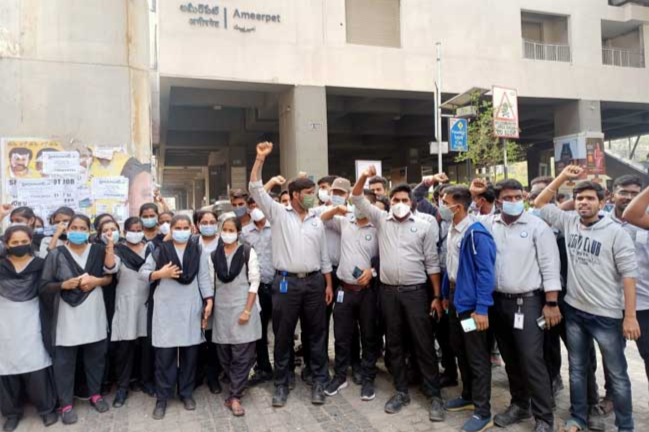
458	134
505	104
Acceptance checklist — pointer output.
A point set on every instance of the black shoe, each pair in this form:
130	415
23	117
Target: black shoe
367	391
542	426
215	387
436	413
189	404
11	424
160	410
397	402
100	405
50	419
317	394
291	380
307	376
260	377
280	396
336	384
120	398
357	376
447	381
69	417
512	415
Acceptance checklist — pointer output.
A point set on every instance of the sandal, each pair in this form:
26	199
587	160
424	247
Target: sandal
235	406
570	424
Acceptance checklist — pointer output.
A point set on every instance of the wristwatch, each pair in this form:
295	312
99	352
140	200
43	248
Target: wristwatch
374	273
551	304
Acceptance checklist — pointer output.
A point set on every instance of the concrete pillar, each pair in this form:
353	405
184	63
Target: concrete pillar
578	116
238	172
303	132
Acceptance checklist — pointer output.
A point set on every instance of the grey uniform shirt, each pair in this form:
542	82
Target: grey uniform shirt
408	249
454	240
299	246
332	236
261	241
640	238
359	245
527	255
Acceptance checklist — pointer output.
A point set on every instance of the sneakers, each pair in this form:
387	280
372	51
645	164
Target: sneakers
68	416
436	413
160	410
335	385
512	415
280	396
367	391
477	424
397	402
459	404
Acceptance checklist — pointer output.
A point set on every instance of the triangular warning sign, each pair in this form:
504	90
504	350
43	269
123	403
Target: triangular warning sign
505	110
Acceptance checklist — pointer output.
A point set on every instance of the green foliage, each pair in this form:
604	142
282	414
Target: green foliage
485	150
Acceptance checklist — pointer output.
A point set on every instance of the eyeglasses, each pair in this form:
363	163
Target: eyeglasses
627	193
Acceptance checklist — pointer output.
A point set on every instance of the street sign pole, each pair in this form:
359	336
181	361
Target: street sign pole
504	143
438	107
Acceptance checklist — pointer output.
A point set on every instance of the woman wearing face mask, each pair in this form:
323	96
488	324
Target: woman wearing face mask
129	323
149	217
59	220
74	307
237	324
164	223
24	362
207	222
180	302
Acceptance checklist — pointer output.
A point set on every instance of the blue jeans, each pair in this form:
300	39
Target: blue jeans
581	329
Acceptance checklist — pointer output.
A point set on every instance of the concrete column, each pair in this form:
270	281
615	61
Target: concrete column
578	116
303	132
238	172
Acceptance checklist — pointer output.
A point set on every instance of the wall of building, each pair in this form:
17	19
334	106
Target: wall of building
482	46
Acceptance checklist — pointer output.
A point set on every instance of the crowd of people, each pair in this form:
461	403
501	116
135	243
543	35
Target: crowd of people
166	302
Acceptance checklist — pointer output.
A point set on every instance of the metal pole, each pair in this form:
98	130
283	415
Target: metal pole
504	143
438	107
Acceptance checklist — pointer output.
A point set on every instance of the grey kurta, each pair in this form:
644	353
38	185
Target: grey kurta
131	295
21	341
86	323
230	301
178	308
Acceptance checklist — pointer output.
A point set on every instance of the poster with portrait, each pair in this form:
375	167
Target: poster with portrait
586	150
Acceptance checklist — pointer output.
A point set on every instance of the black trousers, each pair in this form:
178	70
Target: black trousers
266	302
37	386
522	352
448	356
126	367
64	365
304	300
169	373
408	312
208	365
643	341
145	362
473	352
357	309
237	361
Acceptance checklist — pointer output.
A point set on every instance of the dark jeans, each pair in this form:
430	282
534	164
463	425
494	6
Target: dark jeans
444	339
304	300
266	303
64	365
522	352
408	312
358	308
581	328
168	374
643	341
37	386
237	361
473	352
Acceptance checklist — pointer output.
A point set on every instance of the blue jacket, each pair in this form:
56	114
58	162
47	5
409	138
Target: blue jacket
476	277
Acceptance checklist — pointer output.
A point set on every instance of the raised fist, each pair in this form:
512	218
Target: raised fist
264	149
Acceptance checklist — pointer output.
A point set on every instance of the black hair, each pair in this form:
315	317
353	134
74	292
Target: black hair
250	200
460	195
66	211
238	193
25	212
489	194
371	196
589	186
133	220
284	192
627	180
199	215
403	187
542	179
21	151
379	179
98	220
170	213
178	218
385	201
148	206
329	179
508	184
39	219
82	217
298	185
101	226
235	221
439	190
14	229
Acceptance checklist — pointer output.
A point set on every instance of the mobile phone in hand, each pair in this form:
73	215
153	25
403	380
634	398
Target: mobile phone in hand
357	273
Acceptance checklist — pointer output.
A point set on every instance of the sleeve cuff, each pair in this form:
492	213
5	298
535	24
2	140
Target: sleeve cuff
482	310
433	270
255	184
552	286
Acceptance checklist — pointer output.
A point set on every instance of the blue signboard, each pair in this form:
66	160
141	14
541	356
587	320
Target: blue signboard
458	134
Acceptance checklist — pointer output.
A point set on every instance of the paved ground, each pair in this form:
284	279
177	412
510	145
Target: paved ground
344	412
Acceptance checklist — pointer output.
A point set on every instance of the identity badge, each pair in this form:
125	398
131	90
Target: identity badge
283	286
341	296
519	321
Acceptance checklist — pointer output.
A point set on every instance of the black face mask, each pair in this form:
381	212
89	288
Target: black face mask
20	251
63	237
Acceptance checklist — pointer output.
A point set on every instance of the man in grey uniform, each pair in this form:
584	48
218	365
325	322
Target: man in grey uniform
300	256
408	250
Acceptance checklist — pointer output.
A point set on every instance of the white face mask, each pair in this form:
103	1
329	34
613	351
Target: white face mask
257	215
134	237
400	210
229	238
323	195
164	228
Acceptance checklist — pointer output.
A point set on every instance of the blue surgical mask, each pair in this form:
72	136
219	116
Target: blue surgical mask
115	236
39	230
150	222
240	211
207	230
77	237
514	208
181	236
338	200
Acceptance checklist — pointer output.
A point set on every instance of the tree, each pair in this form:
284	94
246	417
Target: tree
485	150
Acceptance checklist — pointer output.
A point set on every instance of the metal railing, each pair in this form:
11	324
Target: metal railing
547	52
623	57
